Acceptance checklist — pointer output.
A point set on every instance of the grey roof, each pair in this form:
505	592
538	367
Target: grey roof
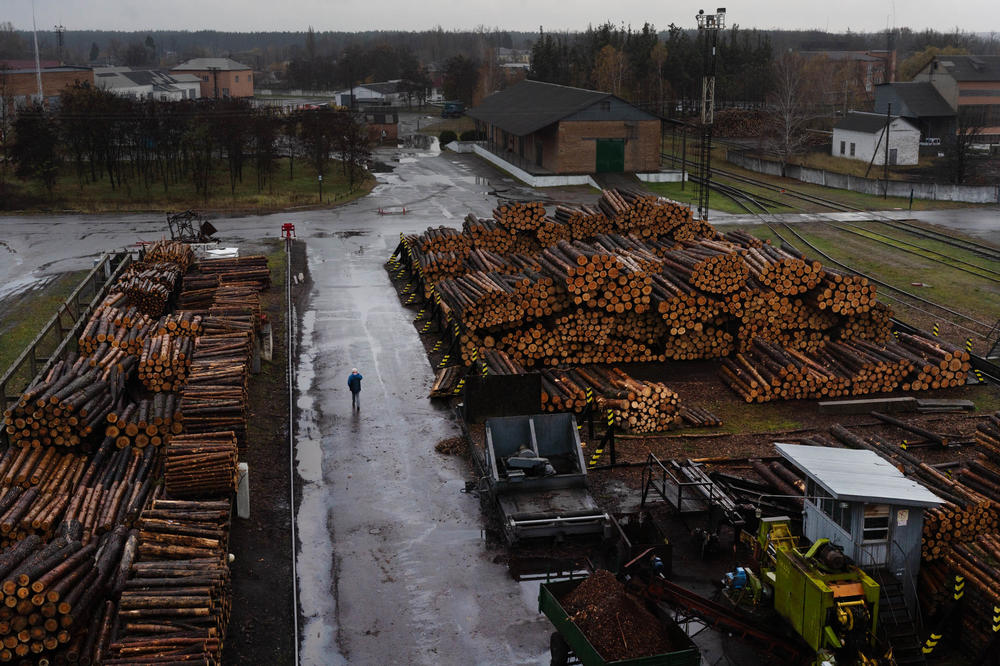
922	99
124	77
383	87
858	475
529	106
861	121
969	67
203	64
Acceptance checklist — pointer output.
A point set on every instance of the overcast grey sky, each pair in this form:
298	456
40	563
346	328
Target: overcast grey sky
351	15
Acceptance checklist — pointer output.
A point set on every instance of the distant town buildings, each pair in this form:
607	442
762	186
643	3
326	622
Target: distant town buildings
148	83
971	84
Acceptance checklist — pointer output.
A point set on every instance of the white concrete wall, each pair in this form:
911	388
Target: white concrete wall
522	175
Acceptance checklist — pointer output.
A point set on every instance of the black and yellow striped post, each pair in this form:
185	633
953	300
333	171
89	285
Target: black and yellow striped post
996	619
611	436
486	369
968	345
936	330
426	327
979	375
595	457
444	361
437	346
420	315
931	643
460	386
959	588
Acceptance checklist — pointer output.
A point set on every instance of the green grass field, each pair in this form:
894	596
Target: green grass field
281	192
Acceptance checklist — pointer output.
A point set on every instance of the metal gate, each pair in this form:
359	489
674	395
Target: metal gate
610	156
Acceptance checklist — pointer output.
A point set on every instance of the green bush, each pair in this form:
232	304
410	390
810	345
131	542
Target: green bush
446	137
471	135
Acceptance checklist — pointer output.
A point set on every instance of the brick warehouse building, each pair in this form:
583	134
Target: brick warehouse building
547	128
21	85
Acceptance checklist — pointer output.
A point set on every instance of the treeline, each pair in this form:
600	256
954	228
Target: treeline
656	73
355	64
149	144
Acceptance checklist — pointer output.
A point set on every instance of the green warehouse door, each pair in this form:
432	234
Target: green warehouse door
610	155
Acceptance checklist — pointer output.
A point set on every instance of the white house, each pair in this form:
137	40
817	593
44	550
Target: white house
147	83
859	136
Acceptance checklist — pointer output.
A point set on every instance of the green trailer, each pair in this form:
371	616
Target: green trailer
568	635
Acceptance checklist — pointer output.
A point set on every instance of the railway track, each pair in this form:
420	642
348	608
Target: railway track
981	331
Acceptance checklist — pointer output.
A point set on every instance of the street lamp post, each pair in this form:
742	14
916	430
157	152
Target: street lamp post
319	180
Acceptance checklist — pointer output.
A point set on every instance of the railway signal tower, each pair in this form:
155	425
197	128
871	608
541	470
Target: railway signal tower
709	25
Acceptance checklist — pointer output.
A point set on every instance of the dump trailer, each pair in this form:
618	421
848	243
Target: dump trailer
537	479
569	635
829	602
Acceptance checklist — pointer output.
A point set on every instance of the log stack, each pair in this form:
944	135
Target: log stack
170	251
487	234
148	285
711	266
71	402
164	362
444	239
149	422
520	216
176	600
944	365
201	466
113	324
215	397
251	269
844	293
584	222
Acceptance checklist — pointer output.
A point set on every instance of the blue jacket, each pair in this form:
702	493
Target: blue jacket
354	382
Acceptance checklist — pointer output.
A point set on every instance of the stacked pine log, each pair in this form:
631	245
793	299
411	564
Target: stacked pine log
648	216
712	266
983	473
551	231
520	216
251	269
844	293
176	597
943	365
201	466
583	221
114	325
976	562
444	239
874	325
485	260
180	323
487	234
739	123
164	362
71	401
99	493
215	396
149	422
484	300
170	251
783	272
148	285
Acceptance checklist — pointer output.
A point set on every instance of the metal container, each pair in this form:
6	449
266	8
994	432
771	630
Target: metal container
548	603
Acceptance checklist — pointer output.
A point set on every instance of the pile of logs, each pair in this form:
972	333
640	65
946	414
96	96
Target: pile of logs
71	401
844	293
975	562
164	362
215	396
201	466
487	234
781	271
765	371
175	602
484	300
170	251
444	239
583	221
520	216
711	266
739	123
148	285
149	422
250	270
181	323
114	325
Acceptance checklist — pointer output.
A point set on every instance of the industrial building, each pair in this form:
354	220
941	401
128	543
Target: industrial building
862	136
545	128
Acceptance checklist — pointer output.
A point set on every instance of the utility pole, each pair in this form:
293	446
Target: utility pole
59	42
215	81
885	166
709	25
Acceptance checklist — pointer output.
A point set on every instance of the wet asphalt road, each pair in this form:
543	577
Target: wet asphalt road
392	567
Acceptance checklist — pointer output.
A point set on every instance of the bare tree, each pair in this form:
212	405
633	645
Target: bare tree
958	148
790	108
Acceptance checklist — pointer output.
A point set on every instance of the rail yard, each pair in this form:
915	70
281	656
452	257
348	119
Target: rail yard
651	411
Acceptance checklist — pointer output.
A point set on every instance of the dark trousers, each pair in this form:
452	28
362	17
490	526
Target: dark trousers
356	399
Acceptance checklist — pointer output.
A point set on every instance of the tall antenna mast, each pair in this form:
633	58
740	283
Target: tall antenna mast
38	63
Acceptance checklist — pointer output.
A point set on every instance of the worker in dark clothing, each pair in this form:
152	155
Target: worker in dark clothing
354	383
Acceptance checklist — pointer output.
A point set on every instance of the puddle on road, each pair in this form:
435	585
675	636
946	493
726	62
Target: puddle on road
315	557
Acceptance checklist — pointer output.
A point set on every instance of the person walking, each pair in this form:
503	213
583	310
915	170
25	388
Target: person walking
354	383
